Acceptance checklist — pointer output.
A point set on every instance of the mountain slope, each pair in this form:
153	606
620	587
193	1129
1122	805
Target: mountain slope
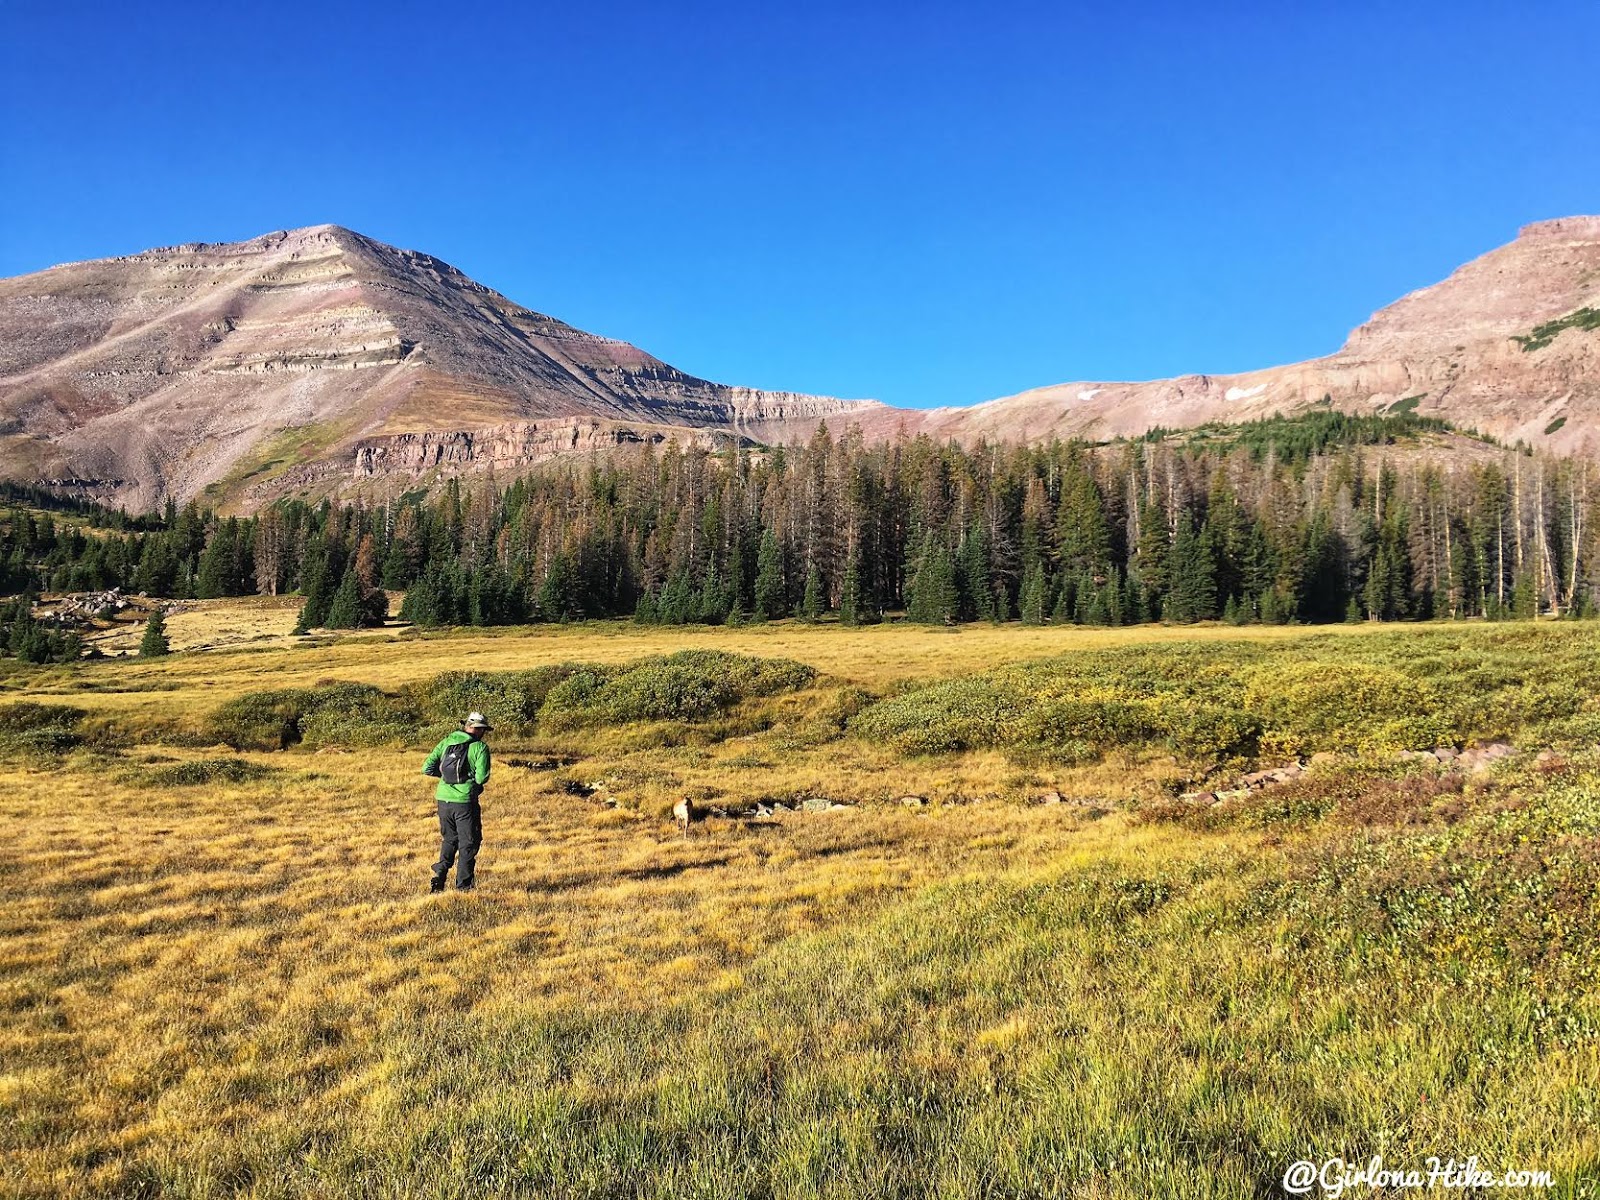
1448	350
281	361
320	361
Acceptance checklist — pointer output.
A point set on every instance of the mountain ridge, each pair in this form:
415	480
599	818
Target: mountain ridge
227	347
1450	345
319	359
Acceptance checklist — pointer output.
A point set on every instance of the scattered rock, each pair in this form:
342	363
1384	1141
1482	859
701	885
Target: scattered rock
1051	798
914	801
1271	775
816	804
1478	758
549	763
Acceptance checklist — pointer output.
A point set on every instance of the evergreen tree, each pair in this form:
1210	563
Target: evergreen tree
1524	597
558	593
216	565
770	600
934	598
1034	595
850	606
154	642
813	605
974	583
344	610
1192	575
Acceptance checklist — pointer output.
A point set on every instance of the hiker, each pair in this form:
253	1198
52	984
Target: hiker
461	763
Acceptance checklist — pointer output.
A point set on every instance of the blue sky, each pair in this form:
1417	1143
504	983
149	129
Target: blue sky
924	203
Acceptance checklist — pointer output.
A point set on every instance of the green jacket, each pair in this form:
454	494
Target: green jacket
477	759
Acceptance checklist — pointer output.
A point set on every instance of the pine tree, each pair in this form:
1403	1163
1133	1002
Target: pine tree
850	607
1034	595
154	643
1192	574
319	579
934	598
216	564
974	582
557	594
1524	597
344	610
813	605
770	601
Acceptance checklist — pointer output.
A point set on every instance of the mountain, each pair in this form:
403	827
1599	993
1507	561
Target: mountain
316	359
1507	345
320	361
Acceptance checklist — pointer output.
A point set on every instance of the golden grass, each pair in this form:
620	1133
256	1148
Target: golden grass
872	656
183	964
208	625
242	989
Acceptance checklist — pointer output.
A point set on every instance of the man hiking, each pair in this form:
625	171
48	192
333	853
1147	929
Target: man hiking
461	764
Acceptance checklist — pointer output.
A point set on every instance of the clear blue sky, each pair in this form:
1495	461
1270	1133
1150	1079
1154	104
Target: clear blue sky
926	203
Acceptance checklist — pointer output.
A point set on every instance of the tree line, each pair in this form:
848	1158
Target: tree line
1316	519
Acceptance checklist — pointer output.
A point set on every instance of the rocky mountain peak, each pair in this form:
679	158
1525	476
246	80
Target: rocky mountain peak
226	369
318	359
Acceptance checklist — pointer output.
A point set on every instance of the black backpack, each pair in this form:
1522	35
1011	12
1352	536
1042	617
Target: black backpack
453	765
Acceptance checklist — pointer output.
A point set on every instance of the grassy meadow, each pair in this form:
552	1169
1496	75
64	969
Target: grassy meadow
1053	975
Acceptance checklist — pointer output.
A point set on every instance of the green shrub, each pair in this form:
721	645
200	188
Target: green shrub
961	714
356	714
47	740
1101	722
25	715
1546	700
568	703
510	699
352	714
1338	706
657	691
261	720
846	703
207	770
1213	733
1542	335
688	686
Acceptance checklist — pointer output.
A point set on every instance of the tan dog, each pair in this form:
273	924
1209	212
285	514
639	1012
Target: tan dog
684	811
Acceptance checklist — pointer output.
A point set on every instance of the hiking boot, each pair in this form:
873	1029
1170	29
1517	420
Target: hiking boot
436	886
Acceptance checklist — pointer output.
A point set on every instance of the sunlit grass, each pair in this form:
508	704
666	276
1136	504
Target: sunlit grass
233	988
